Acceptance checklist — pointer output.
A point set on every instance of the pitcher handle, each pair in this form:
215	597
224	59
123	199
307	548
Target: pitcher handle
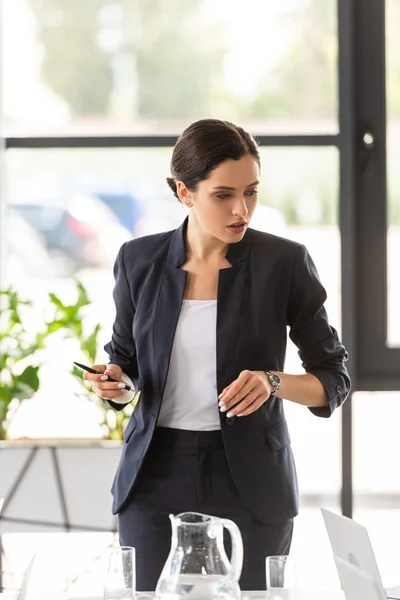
237	549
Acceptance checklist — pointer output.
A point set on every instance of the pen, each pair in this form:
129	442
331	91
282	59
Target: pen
90	370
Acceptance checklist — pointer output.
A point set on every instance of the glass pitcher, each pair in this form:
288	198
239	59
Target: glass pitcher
197	567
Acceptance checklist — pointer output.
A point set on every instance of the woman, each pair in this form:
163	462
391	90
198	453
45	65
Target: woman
200	331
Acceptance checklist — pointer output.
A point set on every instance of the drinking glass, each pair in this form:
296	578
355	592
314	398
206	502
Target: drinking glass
281	578
120	576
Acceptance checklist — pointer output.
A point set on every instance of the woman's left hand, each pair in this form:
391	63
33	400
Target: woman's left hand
246	394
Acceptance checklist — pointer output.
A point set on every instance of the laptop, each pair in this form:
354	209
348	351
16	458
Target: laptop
350	543
357	584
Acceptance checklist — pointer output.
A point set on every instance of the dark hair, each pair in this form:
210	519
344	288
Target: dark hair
203	146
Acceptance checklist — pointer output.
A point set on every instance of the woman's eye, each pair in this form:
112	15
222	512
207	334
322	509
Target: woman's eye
222	196
251	192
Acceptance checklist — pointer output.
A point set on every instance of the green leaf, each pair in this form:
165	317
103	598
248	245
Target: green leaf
5	394
13	301
83	298
77	372
21	391
56	301
40	339
30	378
55	326
15	319
89	346
72	314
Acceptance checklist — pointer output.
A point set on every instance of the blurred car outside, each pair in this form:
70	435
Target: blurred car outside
115	192
138	205
79	231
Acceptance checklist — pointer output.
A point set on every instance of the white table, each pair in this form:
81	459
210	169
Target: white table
305	595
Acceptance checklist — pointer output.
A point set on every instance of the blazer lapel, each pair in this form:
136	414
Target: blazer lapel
230	310
171	291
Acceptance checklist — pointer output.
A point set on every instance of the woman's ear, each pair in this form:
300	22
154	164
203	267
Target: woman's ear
184	194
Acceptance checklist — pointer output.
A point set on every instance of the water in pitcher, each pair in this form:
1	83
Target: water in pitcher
197	567
212	587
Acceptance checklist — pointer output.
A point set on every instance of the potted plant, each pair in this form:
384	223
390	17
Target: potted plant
22	349
19	364
69	320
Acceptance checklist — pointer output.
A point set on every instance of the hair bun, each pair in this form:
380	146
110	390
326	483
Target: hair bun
172	184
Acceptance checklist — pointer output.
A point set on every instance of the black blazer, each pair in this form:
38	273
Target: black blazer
272	285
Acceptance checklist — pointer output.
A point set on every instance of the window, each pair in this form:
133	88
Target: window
138	67
393	152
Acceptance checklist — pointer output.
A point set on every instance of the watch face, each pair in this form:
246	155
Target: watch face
274	379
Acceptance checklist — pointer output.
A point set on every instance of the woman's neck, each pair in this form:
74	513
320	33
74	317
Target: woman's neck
201	245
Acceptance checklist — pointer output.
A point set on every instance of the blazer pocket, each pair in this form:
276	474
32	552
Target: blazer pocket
278	436
129	429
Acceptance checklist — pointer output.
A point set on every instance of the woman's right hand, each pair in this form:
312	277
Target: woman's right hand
109	390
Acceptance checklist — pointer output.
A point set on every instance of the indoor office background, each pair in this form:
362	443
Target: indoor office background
93	95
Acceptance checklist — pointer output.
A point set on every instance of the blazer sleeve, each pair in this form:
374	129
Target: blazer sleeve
320	348
121	349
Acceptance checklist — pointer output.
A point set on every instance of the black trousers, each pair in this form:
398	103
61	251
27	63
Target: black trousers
188	471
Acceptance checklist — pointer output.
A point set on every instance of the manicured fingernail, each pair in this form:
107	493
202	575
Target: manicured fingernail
121	385
104	377
240	415
229	415
223	408
221	404
221	394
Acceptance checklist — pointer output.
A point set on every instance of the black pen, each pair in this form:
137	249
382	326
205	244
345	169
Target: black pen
90	370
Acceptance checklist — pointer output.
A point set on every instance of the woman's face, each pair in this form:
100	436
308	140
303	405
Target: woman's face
223	204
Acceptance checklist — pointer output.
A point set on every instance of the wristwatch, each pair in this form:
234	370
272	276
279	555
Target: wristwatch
274	380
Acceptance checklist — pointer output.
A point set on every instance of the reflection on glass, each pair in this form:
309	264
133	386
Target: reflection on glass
393	173
134	66
123	194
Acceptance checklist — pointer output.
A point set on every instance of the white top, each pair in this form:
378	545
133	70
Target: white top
190	398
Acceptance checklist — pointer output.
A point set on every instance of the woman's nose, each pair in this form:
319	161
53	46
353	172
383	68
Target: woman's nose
240	209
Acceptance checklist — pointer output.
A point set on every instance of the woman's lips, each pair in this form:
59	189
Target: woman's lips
237	228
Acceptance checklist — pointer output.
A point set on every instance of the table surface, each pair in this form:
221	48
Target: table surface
305	595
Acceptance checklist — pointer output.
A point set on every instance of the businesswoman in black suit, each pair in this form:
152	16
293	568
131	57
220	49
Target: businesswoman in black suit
200	331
